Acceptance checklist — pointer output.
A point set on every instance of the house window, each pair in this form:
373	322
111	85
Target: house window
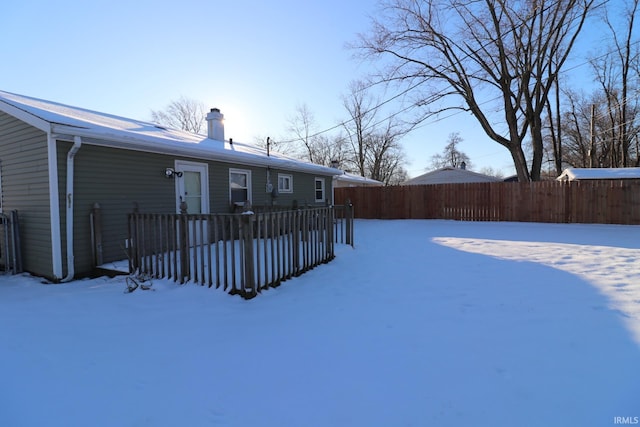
239	186
320	190
285	183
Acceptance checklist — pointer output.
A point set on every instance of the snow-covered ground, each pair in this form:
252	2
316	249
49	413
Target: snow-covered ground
424	323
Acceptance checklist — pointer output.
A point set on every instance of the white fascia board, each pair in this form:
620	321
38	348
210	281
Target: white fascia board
25	116
54	208
146	145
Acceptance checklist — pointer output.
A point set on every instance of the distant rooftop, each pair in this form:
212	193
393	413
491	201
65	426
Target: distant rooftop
450	175
576	174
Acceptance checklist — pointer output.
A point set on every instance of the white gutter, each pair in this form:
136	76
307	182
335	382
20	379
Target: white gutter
54	207
77	142
192	149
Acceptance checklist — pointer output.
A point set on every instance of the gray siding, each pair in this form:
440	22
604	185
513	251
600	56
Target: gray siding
116	179
25	187
303	187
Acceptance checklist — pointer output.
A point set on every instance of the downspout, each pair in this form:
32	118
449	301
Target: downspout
77	142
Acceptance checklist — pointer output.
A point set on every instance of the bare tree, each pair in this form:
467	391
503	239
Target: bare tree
360	108
307	143
553	131
488	170
575	128
612	72
301	126
474	51
330	150
451	156
183	113
375	151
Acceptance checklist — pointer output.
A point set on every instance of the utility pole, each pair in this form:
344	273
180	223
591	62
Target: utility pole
592	148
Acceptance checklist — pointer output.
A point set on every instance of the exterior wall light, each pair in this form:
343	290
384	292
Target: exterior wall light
171	173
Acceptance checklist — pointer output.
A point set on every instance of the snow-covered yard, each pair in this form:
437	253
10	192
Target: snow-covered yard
424	323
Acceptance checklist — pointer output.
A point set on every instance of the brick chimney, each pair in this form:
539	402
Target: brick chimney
215	125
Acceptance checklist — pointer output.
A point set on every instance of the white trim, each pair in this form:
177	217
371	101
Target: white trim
246	172
324	189
289	177
25	116
0	185
203	169
54	208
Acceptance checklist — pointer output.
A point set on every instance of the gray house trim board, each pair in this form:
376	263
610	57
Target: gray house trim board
58	161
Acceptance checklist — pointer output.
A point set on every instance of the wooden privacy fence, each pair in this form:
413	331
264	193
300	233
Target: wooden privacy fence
242	253
10	252
605	202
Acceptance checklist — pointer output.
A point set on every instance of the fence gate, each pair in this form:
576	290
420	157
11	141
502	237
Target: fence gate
10	260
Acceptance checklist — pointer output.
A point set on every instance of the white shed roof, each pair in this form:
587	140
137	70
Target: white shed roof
97	128
450	175
574	174
350	180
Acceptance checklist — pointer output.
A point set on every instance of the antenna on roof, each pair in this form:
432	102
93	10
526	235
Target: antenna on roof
268	143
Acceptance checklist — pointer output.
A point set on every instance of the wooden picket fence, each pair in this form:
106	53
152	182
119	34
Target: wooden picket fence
10	252
604	202
241	253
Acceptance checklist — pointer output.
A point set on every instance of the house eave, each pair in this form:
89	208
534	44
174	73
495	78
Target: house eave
191	150
25	116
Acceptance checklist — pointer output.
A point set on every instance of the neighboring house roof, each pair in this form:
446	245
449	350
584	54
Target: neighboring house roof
65	121
351	180
575	174
450	175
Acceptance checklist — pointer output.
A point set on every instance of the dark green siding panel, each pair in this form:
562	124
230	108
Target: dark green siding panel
25	187
119	179
303	188
116	180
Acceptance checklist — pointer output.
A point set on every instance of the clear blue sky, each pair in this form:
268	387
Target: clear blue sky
254	60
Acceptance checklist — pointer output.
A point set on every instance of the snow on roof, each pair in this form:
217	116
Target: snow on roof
349	179
450	175
119	132
573	174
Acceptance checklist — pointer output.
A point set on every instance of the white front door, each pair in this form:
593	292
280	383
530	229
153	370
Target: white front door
193	188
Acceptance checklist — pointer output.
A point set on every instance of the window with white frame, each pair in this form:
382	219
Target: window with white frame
320	190
285	183
239	186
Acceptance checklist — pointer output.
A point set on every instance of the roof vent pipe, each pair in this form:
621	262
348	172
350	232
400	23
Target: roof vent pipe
215	125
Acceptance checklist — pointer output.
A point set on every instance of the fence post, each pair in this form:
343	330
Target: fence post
184	242
295	233
348	217
17	248
248	283
96	234
132	243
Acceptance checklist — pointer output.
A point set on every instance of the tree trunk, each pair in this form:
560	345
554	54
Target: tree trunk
520	163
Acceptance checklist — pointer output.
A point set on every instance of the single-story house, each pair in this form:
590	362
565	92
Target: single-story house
581	174
346	179
57	162
450	175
